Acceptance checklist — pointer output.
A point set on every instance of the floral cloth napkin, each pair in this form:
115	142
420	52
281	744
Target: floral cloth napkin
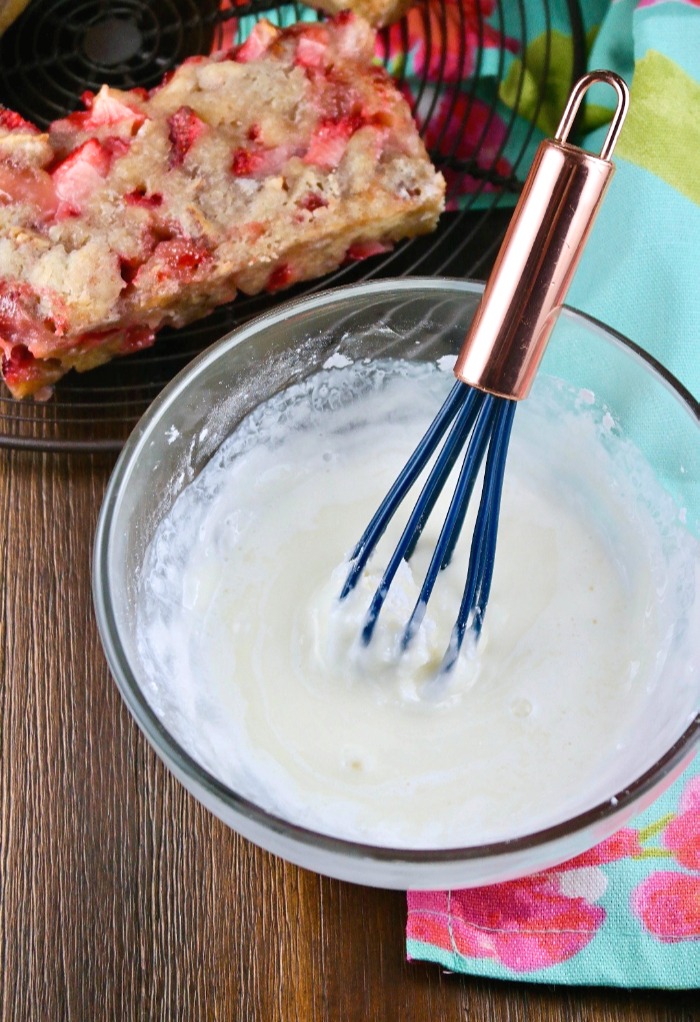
627	913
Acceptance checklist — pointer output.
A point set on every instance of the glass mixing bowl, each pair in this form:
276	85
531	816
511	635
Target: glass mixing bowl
421	319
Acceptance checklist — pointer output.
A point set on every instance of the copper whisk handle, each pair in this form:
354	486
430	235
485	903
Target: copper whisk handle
539	254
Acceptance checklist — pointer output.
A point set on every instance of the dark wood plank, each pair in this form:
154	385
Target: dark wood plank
120	896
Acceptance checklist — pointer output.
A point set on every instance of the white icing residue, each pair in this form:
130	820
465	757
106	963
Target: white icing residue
337	361
257	669
446	363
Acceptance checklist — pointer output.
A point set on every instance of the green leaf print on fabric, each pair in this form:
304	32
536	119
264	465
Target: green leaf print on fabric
551	54
662	130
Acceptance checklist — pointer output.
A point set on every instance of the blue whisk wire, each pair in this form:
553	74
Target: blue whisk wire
483	423
454	519
483	549
460	396
426	501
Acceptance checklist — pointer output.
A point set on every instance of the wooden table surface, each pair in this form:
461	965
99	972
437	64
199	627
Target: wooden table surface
121	897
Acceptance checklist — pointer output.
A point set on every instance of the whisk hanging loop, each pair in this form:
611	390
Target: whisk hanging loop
574	102
495	368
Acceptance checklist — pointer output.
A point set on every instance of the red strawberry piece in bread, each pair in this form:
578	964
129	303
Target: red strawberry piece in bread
262	36
107	108
12	121
79	175
185	127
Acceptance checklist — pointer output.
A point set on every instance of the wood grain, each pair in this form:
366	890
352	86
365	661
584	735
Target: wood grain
120	896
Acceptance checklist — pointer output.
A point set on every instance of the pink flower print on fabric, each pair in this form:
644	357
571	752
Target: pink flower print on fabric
655	3
682	835
668	906
623	844
444	37
524	924
667	903
467	130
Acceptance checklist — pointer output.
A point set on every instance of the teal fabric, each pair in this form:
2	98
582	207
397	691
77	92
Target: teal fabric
627	913
641	270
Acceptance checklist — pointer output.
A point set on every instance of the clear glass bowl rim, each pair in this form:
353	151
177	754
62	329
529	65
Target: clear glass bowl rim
181	762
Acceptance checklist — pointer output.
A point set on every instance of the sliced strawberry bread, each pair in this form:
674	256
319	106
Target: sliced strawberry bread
245	171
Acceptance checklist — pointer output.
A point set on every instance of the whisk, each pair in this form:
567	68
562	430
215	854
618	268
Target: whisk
495	369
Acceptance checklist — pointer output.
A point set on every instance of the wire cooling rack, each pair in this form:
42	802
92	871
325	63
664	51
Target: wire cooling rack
58	49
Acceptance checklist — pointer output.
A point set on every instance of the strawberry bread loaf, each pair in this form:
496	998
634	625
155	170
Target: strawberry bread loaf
249	170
